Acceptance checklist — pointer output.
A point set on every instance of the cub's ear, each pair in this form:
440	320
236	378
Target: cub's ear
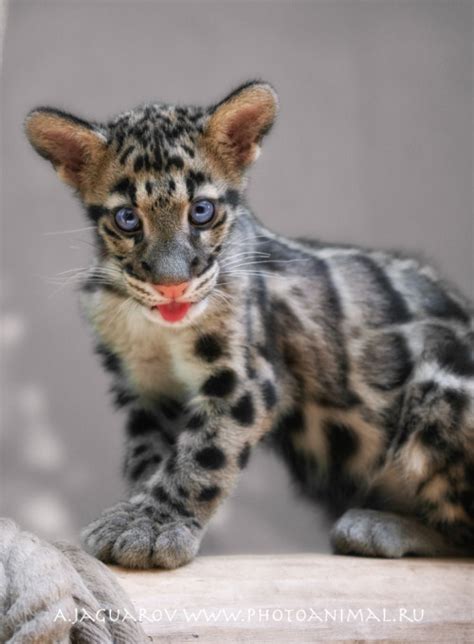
75	147
238	123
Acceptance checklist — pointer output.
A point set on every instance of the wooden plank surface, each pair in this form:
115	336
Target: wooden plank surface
305	598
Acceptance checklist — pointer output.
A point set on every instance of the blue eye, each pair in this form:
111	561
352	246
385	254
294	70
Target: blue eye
202	212
127	220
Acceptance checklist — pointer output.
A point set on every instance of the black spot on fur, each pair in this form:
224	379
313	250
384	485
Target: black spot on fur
269	394
157	163
174	162
95	212
220	384
197	420
243	411
244	456
449	309
110	361
189	151
231	197
139	449
197	177
160	494
122	397
170	408
193	180
138	164
126	153
190	187
139	469
209	347
431	435
183	492
457	400
301	463
209	493
385	361
141	422
122	186
211	458
292	421
343	443
457	357
127	188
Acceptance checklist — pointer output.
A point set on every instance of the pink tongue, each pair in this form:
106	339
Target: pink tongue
174	311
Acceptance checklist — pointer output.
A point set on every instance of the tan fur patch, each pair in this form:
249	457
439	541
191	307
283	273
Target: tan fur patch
76	151
235	129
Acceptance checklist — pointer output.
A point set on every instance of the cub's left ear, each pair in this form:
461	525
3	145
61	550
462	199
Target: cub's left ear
238	124
75	147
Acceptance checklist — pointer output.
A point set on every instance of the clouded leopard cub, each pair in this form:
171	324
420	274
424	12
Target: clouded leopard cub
356	365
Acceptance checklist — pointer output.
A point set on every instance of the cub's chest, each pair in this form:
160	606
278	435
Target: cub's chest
162	363
154	360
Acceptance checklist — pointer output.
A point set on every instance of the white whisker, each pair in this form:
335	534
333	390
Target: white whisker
251	253
268	261
257	272
225	297
67	232
72	270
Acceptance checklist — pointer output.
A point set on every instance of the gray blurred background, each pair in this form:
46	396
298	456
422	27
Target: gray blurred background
373	146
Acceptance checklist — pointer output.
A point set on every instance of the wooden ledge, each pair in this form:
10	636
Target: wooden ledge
305	598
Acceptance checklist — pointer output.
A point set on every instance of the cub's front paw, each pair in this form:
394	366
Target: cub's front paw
133	536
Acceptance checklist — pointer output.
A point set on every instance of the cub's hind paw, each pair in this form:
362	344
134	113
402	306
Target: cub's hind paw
132	536
383	534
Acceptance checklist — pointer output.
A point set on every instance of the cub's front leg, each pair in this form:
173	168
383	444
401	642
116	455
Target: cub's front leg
163	522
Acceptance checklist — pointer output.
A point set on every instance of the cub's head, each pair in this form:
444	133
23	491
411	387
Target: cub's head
162	184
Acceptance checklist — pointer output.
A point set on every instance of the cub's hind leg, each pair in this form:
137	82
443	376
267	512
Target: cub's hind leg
434	450
431	461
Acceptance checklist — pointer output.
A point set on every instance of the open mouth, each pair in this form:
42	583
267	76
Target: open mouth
173	311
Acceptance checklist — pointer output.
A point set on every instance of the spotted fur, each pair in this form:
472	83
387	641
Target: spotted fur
355	365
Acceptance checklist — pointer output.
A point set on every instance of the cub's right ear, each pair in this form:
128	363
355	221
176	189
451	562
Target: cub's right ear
75	147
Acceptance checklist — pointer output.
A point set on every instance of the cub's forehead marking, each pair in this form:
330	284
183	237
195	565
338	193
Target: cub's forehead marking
180	191
142	193
151	188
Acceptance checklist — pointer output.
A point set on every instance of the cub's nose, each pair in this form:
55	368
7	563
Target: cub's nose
171	291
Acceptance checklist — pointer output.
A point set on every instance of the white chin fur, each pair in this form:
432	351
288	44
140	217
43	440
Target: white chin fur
194	311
